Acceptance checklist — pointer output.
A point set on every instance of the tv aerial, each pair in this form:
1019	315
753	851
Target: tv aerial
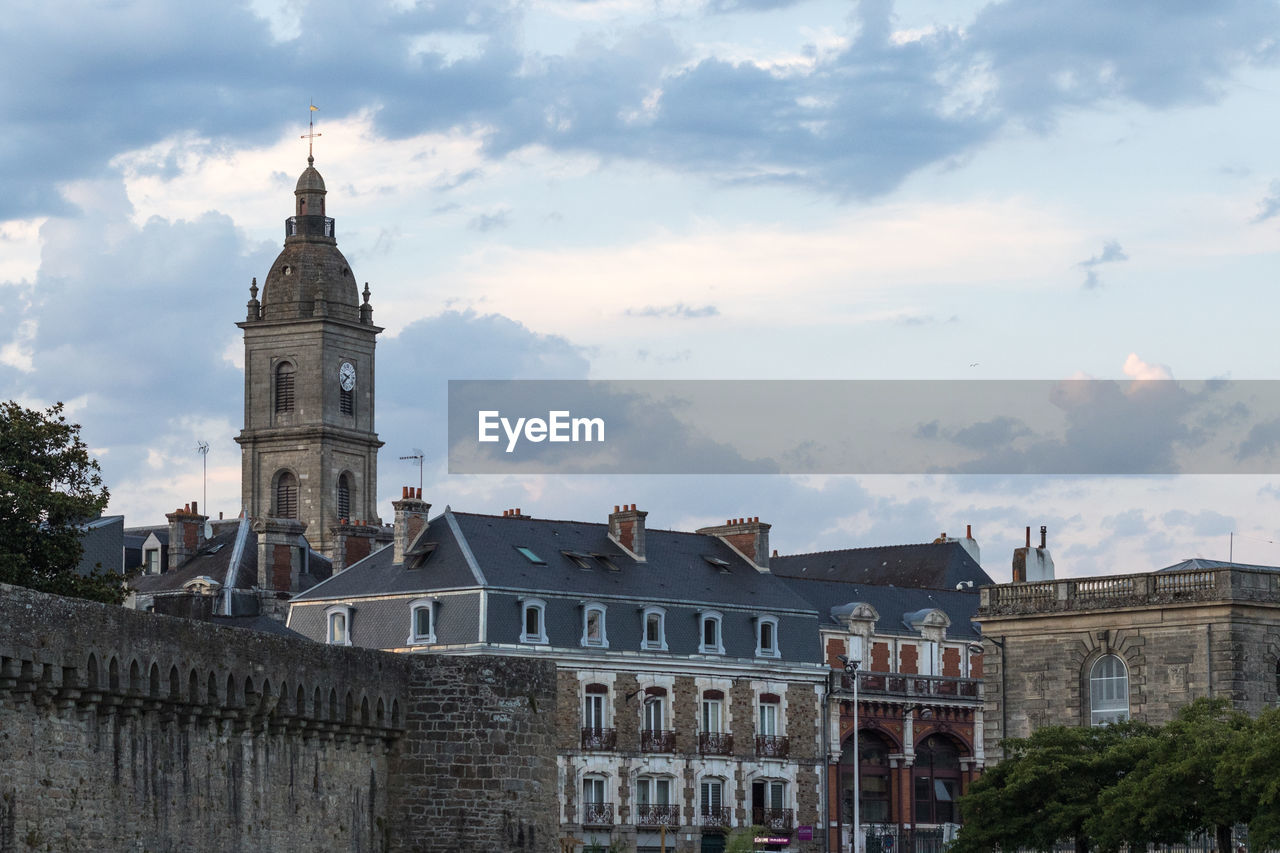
418	456
202	447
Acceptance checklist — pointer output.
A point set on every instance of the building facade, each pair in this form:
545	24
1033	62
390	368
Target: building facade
1087	651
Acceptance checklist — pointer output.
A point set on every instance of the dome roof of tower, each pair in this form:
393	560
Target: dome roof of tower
306	273
310	180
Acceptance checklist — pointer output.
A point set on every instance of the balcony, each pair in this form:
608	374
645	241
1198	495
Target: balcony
668	816
657	740
774	820
715	817
309	226
772	746
597	814
1153	588
905	685
600	739
715	743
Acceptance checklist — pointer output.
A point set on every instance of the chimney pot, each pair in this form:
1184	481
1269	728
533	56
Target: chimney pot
1028	536
418	494
616	508
1043	533
968	531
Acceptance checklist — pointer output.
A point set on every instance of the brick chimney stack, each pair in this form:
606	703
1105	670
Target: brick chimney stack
411	517
186	534
750	536
1031	565
626	527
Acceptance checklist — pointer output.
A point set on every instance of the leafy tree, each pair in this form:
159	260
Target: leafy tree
1251	762
1046	788
743	839
48	486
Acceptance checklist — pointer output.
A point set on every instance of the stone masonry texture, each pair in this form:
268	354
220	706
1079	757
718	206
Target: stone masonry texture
129	731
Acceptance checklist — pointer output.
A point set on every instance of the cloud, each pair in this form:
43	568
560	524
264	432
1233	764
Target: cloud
678	310
487	222
1111	253
1270	204
1206	522
1136	368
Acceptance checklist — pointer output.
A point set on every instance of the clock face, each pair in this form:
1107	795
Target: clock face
347	375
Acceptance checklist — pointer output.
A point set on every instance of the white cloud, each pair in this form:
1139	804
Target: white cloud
1136	368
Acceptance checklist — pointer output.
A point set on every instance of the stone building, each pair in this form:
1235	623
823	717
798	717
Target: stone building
691	681
309	449
1087	651
905	614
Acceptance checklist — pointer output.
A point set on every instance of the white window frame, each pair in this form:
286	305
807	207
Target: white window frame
718	618
704	785
647	789
590	699
587	641
761	651
600	790
713	724
777	718
650	701
1104	715
527	604
416	638
343	610
645	643
778	786
151	559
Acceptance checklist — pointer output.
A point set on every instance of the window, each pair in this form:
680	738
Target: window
717	563
606	561
767	637
768	715
654	790
535	630
593	706
338	622
712	799
346	401
593	630
768	800
655	630
655	705
875	787
1108	691
582	561
152	558
284	386
937	780
422	623
593	789
711	644
286	495
596	809
713	711
344	497
528	554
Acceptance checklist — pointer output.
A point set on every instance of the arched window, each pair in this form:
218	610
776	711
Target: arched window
712	643
655	801
284	386
655	629
593	627
344	497
712	811
937	780
286	495
875	788
338	624
767	637
533	611
422	621
1108	691
596	808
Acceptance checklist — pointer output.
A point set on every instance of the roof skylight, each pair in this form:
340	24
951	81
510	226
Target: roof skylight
528	554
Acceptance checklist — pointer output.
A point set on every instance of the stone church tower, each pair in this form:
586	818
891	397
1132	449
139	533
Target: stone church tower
309	450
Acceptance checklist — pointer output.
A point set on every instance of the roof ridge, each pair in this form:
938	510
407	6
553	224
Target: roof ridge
866	548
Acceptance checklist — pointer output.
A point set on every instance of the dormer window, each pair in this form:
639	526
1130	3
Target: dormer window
712	641
606	561
338	625
654	638
582	561
422	622
533	612
593	627
767	637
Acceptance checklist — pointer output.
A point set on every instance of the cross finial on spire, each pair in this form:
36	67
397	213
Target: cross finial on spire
310	135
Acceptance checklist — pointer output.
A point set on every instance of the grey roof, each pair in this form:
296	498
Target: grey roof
103	542
212	561
259	623
1201	564
893	603
936	565
676	566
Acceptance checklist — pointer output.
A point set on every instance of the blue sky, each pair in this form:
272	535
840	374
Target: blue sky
695	189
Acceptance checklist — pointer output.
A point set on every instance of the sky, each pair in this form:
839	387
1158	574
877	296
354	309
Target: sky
693	189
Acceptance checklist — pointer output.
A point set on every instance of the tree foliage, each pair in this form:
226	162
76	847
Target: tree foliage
49	486
1132	784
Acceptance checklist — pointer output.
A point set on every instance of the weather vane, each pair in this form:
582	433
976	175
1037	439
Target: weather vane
311	134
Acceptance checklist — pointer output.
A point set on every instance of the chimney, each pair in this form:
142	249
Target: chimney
282	554
1032	565
186	534
352	542
749	536
626	527
411	516
968	543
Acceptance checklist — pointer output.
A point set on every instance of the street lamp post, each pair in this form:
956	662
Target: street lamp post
851	669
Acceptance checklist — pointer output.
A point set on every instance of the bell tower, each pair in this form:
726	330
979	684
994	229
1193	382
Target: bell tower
309	451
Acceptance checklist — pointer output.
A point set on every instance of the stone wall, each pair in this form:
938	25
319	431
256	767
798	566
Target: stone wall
122	730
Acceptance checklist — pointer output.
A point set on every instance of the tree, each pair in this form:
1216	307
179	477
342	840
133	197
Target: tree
49	486
1177	785
1252	761
1046	789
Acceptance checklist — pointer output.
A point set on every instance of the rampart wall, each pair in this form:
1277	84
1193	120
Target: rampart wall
128	731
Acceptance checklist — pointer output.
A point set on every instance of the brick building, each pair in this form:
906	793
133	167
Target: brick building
1086	651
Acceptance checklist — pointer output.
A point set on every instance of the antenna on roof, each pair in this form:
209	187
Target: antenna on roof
417	454
202	447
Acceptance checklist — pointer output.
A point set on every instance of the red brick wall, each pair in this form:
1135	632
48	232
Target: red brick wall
358	547
835	648
880	657
909	659
951	662
281	567
975	666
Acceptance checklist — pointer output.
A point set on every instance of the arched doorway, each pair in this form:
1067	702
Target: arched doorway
936	780
876	789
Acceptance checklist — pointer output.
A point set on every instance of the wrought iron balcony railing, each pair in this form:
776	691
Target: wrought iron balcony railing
649	815
715	817
774	820
657	740
600	739
773	746
715	743
597	814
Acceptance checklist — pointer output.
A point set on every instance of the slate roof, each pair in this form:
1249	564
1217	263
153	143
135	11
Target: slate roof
676	568
893	603
103	541
261	624
1201	564
937	565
